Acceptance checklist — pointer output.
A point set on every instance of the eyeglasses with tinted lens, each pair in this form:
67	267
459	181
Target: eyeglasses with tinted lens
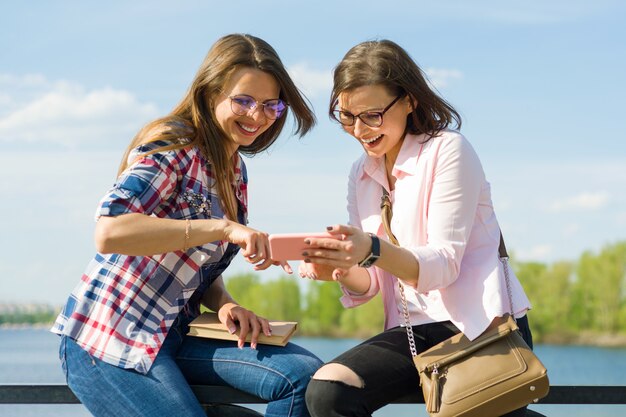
370	118
242	104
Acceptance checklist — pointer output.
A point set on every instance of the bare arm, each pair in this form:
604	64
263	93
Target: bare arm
399	261
139	234
142	235
355	279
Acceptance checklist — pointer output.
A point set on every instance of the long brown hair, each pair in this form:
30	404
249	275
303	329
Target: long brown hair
194	118
384	62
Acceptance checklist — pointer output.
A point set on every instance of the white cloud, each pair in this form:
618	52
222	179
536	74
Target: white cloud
64	113
583	201
26	80
441	77
312	82
571	230
535	253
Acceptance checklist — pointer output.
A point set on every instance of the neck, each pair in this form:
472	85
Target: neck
231	149
390	160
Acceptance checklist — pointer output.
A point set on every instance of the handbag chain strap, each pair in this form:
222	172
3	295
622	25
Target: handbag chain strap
386	214
504	258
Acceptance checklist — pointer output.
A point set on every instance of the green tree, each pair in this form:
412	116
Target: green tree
600	288
245	289
276	300
365	320
567	298
549	291
323	308
281	299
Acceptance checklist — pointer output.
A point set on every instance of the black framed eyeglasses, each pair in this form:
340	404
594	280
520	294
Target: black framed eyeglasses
242	104
370	118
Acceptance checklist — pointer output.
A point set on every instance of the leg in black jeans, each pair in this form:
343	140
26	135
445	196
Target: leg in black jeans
384	366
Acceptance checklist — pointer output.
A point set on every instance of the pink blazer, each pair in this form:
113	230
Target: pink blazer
442	212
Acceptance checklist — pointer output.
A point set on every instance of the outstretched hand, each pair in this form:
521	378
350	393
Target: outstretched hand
255	246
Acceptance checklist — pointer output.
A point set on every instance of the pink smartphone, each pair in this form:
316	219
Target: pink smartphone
289	246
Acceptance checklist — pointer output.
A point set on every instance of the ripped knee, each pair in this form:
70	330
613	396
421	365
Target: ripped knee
339	373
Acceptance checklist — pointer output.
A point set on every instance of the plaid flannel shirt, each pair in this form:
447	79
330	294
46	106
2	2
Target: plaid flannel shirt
123	306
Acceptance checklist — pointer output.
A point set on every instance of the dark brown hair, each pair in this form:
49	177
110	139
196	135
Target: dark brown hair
385	63
194	118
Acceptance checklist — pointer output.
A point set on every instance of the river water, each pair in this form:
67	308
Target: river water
30	356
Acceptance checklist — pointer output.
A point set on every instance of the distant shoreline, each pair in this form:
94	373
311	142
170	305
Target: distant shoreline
25	326
587	339
583	339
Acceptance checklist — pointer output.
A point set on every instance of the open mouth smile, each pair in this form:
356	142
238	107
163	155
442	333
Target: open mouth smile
371	141
248	129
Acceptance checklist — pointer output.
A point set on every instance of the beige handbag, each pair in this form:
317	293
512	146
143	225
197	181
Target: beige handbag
487	377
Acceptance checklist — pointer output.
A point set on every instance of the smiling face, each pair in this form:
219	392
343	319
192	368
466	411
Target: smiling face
243	130
386	139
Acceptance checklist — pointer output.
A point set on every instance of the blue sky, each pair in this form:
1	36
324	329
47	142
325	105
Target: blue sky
540	86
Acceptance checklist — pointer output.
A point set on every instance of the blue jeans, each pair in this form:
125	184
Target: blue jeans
277	374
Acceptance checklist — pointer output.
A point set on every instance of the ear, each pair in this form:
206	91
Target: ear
411	103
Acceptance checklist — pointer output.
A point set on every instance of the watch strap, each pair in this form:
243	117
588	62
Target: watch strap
374	252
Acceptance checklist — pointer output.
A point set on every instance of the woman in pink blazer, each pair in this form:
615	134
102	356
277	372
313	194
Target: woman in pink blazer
447	260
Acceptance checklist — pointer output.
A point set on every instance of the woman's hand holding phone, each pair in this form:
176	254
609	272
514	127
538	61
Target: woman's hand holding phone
293	246
327	256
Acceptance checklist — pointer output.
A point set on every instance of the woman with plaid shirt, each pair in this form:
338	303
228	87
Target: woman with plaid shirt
165	231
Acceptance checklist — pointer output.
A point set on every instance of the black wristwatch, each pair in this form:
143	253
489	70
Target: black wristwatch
374	253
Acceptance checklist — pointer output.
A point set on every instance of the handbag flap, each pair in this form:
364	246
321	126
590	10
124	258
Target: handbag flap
459	346
494	364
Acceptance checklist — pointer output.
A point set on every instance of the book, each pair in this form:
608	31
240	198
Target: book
208	325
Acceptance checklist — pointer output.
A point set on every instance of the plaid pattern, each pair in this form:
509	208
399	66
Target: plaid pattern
123	306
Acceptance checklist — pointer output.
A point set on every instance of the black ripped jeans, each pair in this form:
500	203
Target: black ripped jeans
386	369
